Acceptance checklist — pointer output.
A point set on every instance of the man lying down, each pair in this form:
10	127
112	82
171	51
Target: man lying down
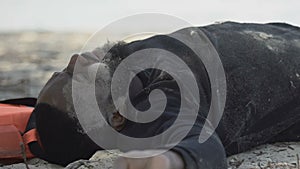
262	69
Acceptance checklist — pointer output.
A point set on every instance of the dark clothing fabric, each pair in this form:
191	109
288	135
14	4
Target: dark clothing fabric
262	68
262	64
28	101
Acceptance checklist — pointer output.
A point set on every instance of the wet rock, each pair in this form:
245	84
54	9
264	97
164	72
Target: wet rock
272	156
100	160
33	164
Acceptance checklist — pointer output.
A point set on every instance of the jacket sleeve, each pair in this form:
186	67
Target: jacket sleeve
196	155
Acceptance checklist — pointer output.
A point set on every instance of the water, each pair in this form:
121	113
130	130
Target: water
78	15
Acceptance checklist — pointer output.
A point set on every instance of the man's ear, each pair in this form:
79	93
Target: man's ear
117	121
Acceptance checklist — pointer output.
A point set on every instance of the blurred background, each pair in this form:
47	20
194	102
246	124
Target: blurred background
37	37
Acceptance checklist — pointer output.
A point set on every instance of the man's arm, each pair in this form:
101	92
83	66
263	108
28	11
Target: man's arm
196	155
188	153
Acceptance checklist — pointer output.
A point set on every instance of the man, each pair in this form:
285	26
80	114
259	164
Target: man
262	68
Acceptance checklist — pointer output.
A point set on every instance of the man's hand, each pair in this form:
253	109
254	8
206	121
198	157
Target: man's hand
167	160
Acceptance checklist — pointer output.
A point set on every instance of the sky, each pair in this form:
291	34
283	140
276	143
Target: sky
91	15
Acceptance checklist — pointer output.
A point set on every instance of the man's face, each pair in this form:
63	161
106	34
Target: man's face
58	90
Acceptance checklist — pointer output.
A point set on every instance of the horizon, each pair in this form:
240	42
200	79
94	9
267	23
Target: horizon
80	16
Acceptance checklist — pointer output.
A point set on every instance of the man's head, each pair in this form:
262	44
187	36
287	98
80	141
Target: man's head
57	121
58	91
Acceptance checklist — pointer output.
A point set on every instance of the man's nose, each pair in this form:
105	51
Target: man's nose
71	65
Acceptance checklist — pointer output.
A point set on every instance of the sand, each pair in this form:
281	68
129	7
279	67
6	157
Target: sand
28	60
